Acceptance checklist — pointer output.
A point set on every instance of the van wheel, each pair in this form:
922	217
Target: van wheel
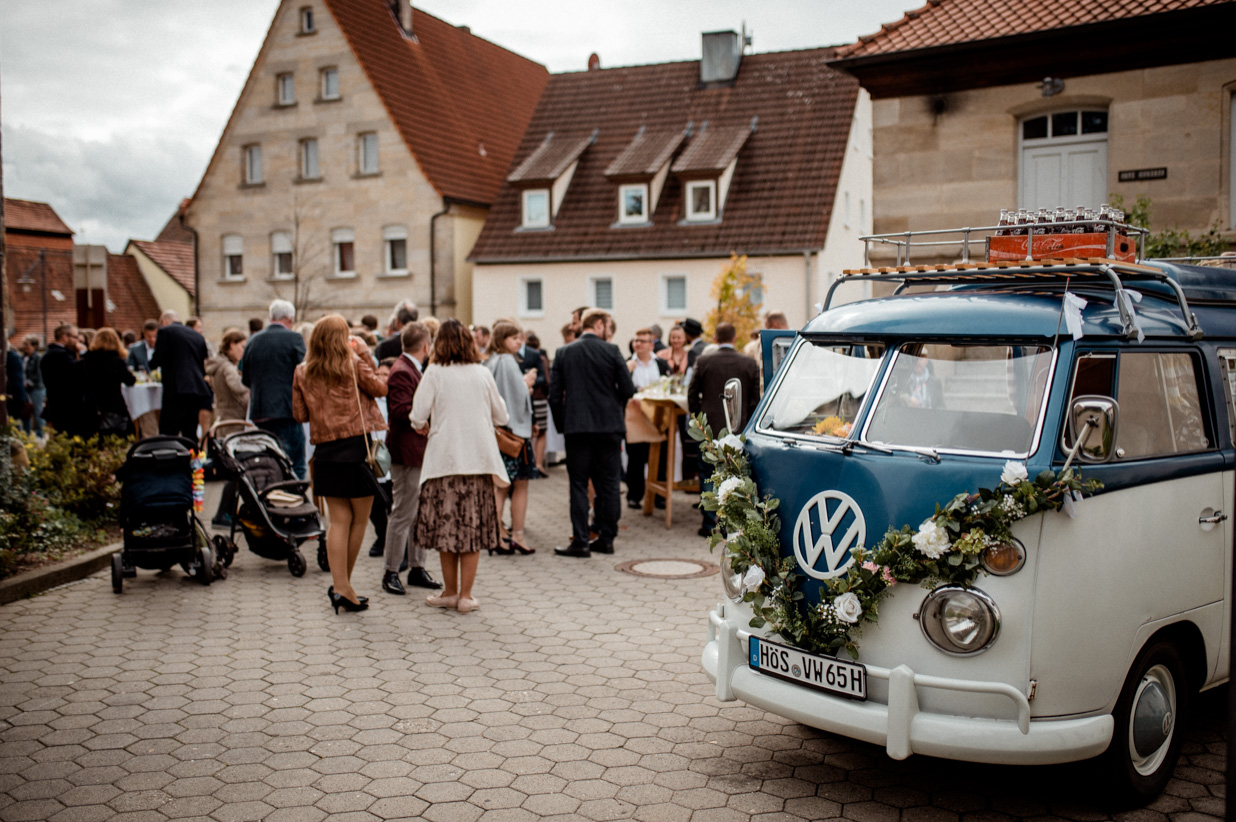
1149	716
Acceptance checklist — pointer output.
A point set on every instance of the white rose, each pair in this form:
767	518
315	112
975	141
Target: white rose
753	579
1014	473
729	441
847	608
726	488
932	540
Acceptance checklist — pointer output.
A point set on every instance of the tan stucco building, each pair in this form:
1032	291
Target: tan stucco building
1058	104
358	165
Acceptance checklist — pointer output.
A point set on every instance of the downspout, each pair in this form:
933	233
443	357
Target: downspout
433	268
807	283
197	285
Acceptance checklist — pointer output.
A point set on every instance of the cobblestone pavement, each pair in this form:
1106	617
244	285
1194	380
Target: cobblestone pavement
574	692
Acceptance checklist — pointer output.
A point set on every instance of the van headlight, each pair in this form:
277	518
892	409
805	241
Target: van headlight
959	620
731	580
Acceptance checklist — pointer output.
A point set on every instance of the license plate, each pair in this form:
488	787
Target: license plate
820	672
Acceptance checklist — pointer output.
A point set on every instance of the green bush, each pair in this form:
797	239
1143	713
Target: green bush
1170	242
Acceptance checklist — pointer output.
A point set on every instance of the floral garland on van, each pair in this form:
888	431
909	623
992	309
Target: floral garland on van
946	548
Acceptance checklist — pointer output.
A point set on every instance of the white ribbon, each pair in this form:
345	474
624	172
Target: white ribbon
1073	306
1127	298
1070	503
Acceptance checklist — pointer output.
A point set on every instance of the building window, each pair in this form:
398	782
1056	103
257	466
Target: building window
306	20
286	89
309	160
673	294
253	164
601	292
531	298
702	200
633	203
395	249
1063	160
345	257
367	147
330	83
536	208
233	257
281	256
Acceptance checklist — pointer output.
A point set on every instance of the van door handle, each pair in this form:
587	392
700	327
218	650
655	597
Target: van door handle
1216	517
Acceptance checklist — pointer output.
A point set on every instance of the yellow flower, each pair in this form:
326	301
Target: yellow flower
829	426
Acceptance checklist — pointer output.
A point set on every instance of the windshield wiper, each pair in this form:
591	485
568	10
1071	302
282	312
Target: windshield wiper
928	454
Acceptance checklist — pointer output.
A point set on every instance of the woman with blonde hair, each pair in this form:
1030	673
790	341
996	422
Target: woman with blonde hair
515	389
457	406
333	390
105	371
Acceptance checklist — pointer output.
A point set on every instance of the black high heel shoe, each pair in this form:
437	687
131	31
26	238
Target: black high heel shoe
516	548
338	600
503	548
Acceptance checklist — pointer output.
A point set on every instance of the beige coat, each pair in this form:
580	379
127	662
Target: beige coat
231	395
462	405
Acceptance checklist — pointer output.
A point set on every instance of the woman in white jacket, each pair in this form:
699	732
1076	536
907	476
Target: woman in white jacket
457	405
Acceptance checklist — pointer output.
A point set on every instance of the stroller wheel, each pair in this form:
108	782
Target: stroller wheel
296	563
117	573
203	572
323	560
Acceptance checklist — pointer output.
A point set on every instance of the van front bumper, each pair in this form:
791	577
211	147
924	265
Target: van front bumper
900	726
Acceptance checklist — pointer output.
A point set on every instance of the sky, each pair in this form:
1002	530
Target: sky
110	110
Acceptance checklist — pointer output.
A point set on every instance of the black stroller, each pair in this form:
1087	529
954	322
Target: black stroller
156	514
273	508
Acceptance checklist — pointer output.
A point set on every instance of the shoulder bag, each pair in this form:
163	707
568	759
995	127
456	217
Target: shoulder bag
508	442
377	455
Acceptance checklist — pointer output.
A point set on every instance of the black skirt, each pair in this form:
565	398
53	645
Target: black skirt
340	470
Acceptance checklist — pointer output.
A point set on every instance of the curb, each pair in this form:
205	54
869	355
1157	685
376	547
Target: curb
35	582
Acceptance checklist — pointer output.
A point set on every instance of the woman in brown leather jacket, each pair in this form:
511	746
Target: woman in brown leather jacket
333	390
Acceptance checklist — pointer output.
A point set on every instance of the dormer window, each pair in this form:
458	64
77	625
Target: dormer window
633	204
306	20
702	200
536	208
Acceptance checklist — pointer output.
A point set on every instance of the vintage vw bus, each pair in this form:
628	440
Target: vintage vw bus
1090	637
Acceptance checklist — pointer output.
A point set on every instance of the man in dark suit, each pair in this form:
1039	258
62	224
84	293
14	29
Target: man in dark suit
705	393
589	386
180	354
407	449
406	312
62	375
142	350
269	361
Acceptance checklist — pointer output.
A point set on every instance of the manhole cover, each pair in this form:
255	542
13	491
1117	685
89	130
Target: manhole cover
668	568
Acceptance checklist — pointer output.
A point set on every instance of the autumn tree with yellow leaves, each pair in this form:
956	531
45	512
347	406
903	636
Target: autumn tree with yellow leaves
732	293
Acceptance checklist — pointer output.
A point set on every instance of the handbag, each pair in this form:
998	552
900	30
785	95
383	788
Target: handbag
377	455
509	443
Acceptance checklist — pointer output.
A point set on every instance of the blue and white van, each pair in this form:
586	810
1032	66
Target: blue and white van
1090	631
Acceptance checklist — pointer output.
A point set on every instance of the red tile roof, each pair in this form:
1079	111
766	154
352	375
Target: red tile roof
130	301
712	149
27	215
461	103
552	157
177	259
947	22
781	195
646	154
175	230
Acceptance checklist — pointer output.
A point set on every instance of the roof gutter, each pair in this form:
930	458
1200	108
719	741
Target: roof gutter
667	255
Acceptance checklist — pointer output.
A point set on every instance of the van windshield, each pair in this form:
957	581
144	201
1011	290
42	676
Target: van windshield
822	389
979	398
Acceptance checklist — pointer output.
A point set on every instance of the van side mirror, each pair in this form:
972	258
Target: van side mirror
1092	427
731	400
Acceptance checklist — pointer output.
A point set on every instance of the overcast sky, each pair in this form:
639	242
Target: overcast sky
110	109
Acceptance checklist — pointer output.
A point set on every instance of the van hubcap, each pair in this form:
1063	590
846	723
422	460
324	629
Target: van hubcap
1153	720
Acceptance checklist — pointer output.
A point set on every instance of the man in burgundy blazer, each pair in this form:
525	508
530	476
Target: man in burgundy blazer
407	453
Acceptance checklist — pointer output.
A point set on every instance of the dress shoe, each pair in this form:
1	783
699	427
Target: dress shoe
403	566
420	578
575	549
391	583
377	549
601	546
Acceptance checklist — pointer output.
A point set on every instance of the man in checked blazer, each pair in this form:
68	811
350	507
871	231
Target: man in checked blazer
589	386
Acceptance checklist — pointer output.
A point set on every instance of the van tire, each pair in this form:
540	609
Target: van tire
1157	682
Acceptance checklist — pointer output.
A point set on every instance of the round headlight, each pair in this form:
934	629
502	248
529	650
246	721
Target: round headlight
959	620
731	581
1004	558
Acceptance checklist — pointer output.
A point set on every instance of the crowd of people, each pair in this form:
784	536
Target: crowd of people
464	413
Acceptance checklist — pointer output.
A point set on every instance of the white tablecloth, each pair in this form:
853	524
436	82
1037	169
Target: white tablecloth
142	398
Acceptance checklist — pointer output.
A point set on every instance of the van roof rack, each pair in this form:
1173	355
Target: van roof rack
1091	271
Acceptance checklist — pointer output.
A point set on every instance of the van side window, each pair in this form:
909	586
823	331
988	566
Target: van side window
1160	410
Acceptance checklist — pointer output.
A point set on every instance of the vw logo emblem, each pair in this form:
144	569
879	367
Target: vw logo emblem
829	527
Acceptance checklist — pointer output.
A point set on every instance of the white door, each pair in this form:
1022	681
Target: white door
1069	175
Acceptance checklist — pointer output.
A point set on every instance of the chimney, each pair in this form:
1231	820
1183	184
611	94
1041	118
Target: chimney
594	62
722	54
402	11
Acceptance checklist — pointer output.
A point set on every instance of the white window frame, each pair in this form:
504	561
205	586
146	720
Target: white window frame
699	216
306	20
1092	138
367	153
528	194
285	89
251	156
632	219
338	238
233	252
325	83
281	243
309	166
668	310
524	309
594	298
393	234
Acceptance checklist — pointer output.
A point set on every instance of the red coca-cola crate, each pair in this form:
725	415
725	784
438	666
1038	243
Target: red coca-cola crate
1060	246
